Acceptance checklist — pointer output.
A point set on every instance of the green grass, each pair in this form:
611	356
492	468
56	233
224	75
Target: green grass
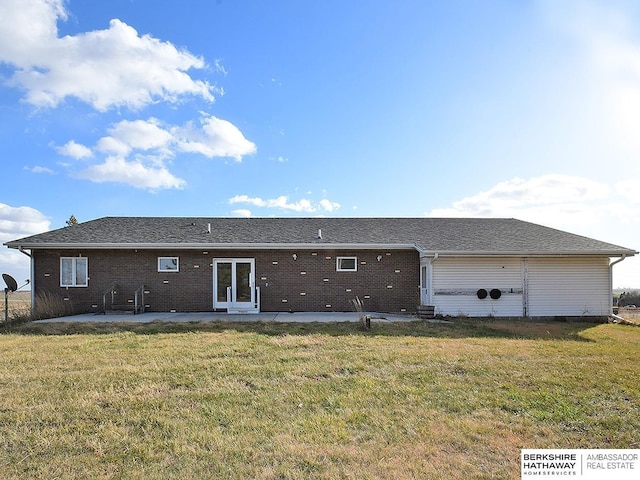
299	401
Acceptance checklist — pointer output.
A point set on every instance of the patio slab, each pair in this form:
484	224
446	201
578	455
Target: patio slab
194	317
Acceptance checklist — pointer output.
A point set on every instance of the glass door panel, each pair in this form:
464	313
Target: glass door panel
223	280
243	290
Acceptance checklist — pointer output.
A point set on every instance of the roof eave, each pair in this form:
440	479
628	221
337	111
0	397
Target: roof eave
311	246
209	246
560	253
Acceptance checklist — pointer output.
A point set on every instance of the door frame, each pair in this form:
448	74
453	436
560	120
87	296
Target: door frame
426	279
231	304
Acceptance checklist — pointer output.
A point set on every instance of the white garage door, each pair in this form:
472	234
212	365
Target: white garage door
568	286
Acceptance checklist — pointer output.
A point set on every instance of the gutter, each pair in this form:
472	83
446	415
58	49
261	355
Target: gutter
312	246
526	253
221	246
618	261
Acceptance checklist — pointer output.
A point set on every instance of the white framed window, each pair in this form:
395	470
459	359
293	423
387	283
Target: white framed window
74	271
347	264
168	264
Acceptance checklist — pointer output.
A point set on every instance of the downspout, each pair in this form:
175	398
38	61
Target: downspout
525	287
31	271
611	314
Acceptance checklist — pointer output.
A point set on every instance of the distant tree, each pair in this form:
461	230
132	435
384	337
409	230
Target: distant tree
72	221
631	297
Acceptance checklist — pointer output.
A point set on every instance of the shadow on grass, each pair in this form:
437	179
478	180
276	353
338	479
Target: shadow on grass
458	328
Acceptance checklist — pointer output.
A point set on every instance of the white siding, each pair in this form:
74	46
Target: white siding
568	286
456	281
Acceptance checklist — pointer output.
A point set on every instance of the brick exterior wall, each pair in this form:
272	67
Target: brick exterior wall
309	282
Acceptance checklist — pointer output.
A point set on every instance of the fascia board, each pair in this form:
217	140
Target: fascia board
312	246
217	246
569	253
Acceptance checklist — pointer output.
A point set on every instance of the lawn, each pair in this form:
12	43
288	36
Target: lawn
278	401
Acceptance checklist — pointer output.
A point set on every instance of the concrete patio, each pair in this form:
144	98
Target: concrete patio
194	317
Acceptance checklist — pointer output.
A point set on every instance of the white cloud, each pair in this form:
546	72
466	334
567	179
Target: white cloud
151	143
113	146
328	206
74	150
15	223
279	202
143	135
219	67
39	169
241	212
215	138
28	27
104	68
629	189
258	202
282	202
134	173
114	67
555	200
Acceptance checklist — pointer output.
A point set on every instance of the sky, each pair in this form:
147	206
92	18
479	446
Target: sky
524	109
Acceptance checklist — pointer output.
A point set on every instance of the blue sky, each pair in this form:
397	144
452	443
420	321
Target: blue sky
525	109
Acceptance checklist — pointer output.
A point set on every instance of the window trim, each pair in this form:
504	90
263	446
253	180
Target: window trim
168	270
74	272
340	267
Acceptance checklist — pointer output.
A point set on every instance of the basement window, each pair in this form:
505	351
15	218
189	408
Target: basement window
168	264
347	264
74	272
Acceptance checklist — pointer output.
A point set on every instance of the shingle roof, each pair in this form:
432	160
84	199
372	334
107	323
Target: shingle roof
468	236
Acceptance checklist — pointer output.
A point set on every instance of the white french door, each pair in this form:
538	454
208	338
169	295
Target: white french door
234	285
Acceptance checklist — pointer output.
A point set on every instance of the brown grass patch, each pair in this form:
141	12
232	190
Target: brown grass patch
19	304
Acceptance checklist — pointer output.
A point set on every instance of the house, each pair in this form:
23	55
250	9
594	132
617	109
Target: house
455	266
